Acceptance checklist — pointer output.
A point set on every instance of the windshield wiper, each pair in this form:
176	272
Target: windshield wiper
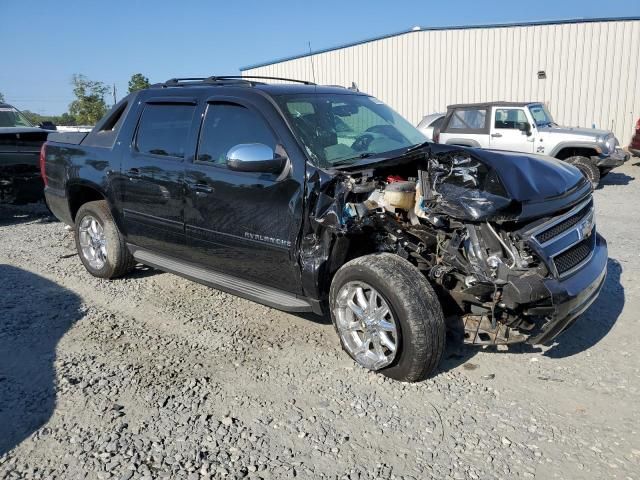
351	159
416	147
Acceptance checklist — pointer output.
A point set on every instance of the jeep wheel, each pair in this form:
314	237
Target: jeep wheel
100	245
388	316
588	169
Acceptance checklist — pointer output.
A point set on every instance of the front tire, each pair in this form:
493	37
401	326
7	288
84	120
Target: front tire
388	316
588	169
101	247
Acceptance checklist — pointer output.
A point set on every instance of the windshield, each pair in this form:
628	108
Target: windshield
541	115
337	128
10	117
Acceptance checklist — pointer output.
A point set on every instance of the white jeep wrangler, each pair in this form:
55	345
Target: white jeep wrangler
528	127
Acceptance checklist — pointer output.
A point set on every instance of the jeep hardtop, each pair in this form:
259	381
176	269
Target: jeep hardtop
320	199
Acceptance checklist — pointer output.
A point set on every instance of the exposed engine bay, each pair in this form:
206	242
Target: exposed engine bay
451	214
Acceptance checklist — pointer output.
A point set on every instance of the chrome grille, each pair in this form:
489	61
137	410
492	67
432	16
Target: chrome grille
574	256
565	243
563	225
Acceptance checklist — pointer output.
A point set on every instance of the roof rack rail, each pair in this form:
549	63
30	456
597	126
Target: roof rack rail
248	80
261	77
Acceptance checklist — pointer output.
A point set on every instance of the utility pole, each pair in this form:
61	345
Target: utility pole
115	100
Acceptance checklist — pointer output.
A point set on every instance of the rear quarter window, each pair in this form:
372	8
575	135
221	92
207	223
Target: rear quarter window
468	120
164	129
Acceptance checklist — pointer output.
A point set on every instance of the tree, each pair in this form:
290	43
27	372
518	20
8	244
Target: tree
138	82
1	98
64	120
89	105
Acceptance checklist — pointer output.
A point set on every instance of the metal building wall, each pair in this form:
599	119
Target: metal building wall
592	70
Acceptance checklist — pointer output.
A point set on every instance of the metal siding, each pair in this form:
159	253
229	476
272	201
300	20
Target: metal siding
592	70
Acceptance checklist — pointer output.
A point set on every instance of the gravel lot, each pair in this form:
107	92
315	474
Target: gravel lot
153	376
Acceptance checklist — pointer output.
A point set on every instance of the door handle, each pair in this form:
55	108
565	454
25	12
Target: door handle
496	135
133	173
201	188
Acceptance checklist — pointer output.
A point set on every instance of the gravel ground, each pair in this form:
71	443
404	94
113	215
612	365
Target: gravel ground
153	376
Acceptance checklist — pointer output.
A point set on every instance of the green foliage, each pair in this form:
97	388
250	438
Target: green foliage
64	120
138	82
89	105
1	97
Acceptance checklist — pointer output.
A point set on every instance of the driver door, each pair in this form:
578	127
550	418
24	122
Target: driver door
241	223
507	130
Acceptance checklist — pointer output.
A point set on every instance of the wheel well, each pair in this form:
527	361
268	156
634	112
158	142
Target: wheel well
575	152
81	194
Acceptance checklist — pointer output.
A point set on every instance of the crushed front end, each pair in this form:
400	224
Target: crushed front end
509	241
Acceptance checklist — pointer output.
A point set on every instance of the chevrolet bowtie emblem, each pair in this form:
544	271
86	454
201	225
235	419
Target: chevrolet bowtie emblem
586	227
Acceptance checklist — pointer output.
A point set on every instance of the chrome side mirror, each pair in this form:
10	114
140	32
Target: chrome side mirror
254	157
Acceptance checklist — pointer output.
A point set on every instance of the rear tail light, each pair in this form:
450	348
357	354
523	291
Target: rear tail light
43	156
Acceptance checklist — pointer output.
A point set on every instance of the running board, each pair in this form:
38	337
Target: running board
227	283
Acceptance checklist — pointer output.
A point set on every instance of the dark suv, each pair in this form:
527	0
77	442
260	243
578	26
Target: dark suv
322	199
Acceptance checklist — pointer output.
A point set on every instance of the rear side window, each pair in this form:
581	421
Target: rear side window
226	125
164	129
437	123
468	119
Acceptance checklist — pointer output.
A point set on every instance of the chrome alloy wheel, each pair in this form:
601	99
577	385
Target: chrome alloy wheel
93	242
366	325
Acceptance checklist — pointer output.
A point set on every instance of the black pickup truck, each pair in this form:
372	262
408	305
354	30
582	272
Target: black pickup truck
20	144
322	199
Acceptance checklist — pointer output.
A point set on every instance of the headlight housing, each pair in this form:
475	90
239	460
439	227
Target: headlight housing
607	143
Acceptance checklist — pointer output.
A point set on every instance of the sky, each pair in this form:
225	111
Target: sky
43	43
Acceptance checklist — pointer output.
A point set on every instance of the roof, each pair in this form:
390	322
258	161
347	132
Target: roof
492	104
453	27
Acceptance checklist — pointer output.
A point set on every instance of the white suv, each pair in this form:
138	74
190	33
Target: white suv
528	127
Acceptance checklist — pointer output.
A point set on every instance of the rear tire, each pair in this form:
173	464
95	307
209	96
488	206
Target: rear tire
101	247
588	169
414	309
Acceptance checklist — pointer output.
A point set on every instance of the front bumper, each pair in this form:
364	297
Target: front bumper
611	160
21	184
571	296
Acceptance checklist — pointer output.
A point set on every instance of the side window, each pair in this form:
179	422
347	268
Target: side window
512	118
164	128
226	125
438	122
468	119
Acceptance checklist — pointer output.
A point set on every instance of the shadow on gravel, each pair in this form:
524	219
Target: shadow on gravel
596	322
35	313
615	178
16	214
588	330
143	271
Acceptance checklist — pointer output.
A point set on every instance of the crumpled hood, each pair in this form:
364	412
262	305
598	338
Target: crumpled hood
530	178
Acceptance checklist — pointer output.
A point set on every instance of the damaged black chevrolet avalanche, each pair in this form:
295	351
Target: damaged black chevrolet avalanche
322	199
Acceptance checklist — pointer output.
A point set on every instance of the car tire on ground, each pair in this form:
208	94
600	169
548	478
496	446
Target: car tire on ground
101	247
388	316
588	169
